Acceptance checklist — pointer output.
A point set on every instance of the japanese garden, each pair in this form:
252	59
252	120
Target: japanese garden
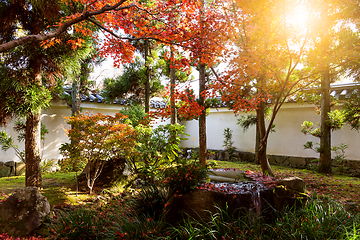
221	119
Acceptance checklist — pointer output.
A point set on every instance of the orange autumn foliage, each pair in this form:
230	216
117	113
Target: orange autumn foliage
187	106
95	139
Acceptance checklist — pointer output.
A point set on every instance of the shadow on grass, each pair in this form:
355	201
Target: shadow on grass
57	187
60	188
8	185
55	195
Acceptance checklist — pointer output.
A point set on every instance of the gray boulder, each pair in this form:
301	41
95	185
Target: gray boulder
293	183
23	212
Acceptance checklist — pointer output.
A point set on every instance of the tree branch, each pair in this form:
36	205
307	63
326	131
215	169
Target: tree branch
214	72
64	26
138	38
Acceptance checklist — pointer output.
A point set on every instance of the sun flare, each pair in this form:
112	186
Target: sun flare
298	16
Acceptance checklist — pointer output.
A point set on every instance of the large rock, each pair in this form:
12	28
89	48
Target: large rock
12	168
4	171
23	212
113	170
201	204
239	198
20	168
293	183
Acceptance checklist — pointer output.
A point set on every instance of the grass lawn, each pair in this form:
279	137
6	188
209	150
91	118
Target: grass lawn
61	188
58	187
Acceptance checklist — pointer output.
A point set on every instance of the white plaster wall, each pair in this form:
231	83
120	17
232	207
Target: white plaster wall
349	137
216	122
54	120
287	140
10	154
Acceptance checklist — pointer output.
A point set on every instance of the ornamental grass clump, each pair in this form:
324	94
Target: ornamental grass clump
321	218
149	202
79	223
222	225
136	228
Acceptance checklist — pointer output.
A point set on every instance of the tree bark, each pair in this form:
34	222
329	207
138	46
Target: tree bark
257	142
33	133
32	151
325	128
75	110
75	98
262	158
202	117
147	81
172	90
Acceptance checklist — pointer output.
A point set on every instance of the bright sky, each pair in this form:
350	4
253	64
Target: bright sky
105	70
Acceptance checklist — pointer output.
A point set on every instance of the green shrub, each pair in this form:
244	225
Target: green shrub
184	178
48	165
154	149
136	114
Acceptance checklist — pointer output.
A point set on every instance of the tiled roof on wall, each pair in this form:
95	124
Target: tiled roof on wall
95	97
338	91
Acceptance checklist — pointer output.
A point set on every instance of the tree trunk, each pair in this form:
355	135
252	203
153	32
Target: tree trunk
33	134
32	151
325	138
325	129
262	158
172	90
75	98
93	170
147	81
147	85
257	142
75	110
202	118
